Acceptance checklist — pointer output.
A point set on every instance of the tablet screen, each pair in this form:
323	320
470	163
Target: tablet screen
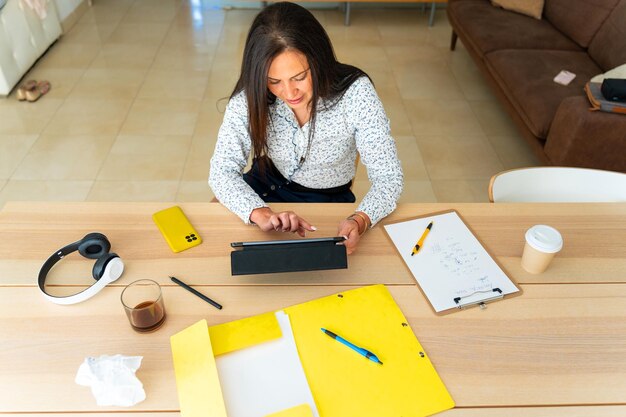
288	242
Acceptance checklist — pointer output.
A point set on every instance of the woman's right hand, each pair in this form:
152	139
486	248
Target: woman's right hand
284	221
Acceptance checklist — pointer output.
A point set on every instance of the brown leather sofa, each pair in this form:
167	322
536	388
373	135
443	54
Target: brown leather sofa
520	56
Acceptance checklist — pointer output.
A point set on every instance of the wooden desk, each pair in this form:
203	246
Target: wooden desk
559	349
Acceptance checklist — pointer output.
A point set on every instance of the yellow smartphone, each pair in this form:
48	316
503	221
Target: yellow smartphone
176	229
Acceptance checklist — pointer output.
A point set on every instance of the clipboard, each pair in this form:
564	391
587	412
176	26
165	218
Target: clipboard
454	270
342	382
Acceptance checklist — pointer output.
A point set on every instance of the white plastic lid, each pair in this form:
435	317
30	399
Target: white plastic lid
544	238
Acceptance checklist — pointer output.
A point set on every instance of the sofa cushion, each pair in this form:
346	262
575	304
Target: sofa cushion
578	19
526	77
608	47
488	28
532	8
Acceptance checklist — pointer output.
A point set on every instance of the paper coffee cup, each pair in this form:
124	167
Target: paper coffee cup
542	243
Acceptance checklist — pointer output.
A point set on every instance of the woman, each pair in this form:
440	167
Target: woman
304	116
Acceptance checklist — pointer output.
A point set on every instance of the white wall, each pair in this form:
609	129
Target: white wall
66	7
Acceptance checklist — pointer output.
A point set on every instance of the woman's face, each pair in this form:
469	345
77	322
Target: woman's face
289	79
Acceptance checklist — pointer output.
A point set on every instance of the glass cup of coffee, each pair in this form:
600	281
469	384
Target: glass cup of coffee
542	243
143	303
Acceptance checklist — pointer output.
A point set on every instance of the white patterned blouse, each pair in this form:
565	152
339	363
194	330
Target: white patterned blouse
356	122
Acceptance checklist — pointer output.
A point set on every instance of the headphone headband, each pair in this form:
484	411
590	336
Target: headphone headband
110	267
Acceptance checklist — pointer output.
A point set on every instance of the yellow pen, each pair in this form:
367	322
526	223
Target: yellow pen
420	242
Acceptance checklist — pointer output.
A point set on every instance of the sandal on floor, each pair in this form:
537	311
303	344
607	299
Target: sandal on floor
41	89
24	88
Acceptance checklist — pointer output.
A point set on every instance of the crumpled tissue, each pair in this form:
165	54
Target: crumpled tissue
112	379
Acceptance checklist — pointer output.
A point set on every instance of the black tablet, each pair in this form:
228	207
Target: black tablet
272	256
288	242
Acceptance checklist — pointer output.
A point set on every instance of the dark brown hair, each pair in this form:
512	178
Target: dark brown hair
276	28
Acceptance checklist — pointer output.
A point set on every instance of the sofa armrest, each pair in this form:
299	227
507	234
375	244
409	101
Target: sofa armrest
584	138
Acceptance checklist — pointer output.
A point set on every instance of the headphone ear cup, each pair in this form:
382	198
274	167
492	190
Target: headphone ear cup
94	246
101	264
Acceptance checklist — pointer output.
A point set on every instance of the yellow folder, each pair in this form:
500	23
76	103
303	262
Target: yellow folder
343	382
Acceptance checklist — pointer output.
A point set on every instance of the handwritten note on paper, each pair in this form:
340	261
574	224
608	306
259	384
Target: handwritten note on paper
452	263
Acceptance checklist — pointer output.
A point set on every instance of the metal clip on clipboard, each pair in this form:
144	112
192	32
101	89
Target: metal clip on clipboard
480	303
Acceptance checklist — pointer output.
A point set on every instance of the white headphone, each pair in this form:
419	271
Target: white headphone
108	267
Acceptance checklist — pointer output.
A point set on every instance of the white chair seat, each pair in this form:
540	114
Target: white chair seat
557	184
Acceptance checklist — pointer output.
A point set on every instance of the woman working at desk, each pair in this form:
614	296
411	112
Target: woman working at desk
304	115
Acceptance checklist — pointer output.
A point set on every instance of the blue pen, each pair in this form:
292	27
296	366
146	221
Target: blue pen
369	355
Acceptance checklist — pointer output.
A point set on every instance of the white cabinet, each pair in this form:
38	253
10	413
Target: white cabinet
24	37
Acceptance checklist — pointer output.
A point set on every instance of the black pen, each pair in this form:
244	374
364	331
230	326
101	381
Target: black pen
191	290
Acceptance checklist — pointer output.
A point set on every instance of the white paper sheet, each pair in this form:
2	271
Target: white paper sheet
265	378
452	262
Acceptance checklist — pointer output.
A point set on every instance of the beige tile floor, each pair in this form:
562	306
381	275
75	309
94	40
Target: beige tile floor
135	105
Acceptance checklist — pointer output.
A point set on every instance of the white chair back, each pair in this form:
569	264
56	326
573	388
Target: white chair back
557	184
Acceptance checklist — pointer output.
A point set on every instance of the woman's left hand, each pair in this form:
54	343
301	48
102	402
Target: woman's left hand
350	230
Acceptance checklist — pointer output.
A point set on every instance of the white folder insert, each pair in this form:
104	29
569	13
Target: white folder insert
265	378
